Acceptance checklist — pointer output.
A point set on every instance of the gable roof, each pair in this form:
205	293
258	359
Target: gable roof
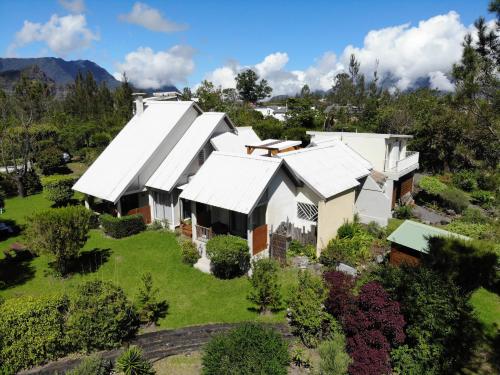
348	149
184	152
232	181
235	142
327	170
414	235
127	154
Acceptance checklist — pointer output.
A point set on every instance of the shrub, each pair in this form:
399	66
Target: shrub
473	230
372	323
465	180
403	212
488	180
131	362
454	199
333	355
31	183
60	232
119	227
248	349
441	328
483	198
468	264
49	159
375	230
190	254
297	249
2	198
58	188
308	317
474	216
100	316
32	331
347	230
229	256
150	308
265	291
353	250
8	185
431	185
93	365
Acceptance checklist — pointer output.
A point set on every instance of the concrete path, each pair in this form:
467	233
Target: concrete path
157	345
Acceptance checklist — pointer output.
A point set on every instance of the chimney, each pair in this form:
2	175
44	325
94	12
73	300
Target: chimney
139	102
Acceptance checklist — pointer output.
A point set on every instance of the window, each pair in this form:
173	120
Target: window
307	211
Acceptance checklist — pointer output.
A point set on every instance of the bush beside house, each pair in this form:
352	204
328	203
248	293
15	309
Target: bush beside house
229	255
190	254
119	227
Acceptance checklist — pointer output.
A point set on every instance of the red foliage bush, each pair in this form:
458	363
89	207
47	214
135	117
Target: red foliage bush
372	323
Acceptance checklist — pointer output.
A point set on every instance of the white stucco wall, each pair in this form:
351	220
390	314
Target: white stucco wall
162	206
281	193
373	203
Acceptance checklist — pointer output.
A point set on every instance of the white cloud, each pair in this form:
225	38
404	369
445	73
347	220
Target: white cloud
61	34
73	6
407	53
440	82
146	68
151	18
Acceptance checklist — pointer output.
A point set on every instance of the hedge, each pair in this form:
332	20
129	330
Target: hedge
57	188
118	227
32	331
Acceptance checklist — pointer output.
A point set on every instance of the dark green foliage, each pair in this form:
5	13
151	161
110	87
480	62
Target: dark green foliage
483	198
190	254
308	317
441	329
100	317
49	159
149	307
249	90
2	198
297	249
246	350
465	180
403	212
265	291
131	362
58	189
92	365
31	182
347	230
229	255
32	331
118	227
375	230
488	180
468	264
8	185
60	232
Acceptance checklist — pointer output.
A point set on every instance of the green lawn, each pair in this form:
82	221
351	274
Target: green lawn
487	306
194	297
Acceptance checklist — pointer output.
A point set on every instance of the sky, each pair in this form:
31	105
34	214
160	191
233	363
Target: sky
289	43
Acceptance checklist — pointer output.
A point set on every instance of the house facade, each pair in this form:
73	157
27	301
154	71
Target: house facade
393	168
175	164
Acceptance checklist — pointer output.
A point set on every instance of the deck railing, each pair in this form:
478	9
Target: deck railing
410	159
203	233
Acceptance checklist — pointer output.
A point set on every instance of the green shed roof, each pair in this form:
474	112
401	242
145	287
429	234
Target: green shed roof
414	235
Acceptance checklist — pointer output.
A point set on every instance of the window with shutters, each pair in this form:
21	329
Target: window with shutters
307	211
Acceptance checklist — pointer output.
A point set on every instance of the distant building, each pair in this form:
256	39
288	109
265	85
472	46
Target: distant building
278	112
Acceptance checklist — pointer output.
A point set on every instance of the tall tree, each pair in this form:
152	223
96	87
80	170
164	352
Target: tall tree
250	89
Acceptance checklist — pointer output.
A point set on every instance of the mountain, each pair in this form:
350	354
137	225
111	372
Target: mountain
60	71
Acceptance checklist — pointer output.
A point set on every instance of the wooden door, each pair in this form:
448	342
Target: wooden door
259	239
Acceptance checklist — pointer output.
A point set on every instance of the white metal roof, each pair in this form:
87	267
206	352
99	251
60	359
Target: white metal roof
117	166
184	152
275	144
232	181
336	142
327	170
235	143
352	134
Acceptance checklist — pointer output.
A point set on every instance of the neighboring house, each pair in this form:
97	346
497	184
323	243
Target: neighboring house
393	165
409	242
278	112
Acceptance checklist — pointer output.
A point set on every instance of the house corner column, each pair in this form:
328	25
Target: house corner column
193	219
119	208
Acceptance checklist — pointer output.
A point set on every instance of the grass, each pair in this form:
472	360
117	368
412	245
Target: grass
182	364
487	306
194	297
